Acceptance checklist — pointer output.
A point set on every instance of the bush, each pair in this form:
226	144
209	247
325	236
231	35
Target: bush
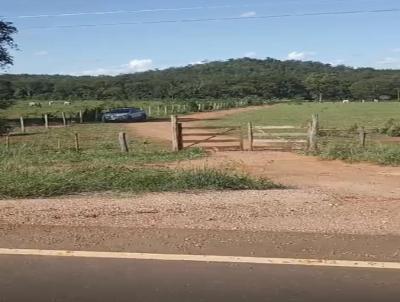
391	128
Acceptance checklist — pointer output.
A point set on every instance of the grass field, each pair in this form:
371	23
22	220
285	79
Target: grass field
22	108
45	163
332	115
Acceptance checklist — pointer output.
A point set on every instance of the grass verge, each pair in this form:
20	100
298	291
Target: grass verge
375	153
36	182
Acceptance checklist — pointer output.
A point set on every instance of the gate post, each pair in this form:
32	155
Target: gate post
179	136
250	135
313	134
176	129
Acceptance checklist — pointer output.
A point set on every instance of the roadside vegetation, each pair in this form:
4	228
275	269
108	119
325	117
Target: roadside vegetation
374	153
45	164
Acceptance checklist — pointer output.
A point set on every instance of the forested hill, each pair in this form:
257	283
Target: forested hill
239	78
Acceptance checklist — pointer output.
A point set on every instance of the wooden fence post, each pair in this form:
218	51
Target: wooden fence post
175	133
64	119
80	117
7	142
241	142
123	142
165	110
21	119
77	147
362	136
313	134
250	136
59	144
149	112
179	136
46	121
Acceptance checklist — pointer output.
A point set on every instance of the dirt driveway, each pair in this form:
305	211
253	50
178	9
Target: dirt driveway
347	181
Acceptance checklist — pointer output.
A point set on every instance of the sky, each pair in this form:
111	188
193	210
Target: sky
128	36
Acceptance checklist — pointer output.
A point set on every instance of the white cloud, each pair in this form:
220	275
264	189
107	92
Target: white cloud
250	54
135	65
41	53
390	62
199	62
337	62
140	65
300	55
248	14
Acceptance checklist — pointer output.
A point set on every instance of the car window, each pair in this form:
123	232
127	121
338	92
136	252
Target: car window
122	111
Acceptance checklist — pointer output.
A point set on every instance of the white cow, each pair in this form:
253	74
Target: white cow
363	101
67	103
346	101
34	104
376	101
51	103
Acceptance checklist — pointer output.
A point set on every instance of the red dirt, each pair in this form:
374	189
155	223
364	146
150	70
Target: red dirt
349	181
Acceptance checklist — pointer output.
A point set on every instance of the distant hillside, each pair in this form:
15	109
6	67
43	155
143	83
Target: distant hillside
239	78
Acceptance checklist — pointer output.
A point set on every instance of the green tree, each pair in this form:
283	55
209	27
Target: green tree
325	85
7	30
6	43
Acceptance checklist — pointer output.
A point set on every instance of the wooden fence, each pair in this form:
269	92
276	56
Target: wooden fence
271	137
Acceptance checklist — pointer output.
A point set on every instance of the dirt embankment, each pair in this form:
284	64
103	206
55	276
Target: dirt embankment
349	181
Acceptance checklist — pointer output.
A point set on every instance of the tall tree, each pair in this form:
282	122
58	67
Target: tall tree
7	30
6	43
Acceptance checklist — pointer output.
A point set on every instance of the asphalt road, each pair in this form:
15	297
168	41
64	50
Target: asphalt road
33	278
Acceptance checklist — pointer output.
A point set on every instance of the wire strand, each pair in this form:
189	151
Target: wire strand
313	14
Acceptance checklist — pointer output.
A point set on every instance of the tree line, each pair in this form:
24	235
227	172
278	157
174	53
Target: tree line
234	78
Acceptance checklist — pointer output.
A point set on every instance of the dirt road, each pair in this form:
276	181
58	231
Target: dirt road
349	181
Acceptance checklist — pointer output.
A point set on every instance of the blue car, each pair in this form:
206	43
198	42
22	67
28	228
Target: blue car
125	115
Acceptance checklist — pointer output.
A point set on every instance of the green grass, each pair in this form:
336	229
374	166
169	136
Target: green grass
33	166
40	182
22	108
332	115
374	153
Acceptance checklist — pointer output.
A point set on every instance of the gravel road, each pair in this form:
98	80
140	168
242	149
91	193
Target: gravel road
309	211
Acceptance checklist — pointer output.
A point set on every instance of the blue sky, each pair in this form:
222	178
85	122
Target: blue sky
353	39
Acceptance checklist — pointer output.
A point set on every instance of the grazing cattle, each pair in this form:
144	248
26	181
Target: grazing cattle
67	103
346	101
34	104
51	103
363	101
376	101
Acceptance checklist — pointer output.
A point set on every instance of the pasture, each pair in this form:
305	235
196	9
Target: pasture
332	115
349	117
44	163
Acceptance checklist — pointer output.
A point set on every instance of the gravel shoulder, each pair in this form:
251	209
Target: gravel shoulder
306	211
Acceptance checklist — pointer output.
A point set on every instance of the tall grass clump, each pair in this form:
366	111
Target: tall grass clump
36	182
375	153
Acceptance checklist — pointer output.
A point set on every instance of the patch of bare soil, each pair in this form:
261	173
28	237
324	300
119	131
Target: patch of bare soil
350	181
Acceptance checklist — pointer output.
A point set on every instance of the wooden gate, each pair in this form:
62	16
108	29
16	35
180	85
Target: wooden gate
206	137
279	138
